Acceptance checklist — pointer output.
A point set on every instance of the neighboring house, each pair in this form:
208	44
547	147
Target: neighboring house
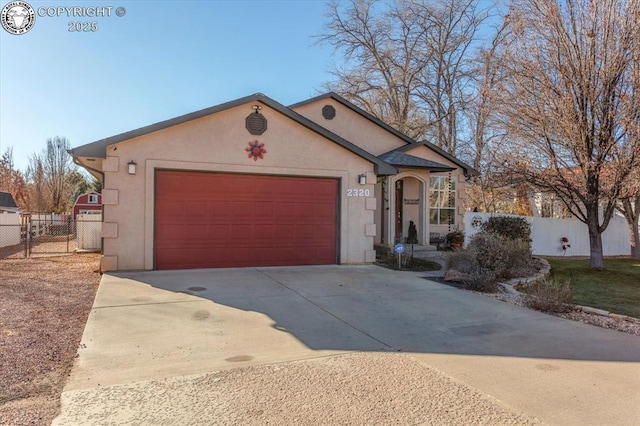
7	203
254	183
89	203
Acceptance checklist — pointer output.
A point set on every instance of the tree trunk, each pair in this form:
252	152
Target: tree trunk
634	240
595	241
632	215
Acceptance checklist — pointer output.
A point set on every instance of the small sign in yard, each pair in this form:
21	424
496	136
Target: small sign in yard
399	248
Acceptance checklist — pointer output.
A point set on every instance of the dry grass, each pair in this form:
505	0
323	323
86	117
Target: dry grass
43	309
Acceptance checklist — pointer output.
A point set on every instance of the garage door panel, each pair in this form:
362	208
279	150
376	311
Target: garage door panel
284	209
174	209
223	220
240	233
264	232
325	211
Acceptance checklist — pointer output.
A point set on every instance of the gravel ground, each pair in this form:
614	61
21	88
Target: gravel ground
44	305
350	389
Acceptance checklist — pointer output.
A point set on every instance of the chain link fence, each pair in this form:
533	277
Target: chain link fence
39	234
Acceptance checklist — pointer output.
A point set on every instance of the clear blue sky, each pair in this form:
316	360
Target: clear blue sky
160	60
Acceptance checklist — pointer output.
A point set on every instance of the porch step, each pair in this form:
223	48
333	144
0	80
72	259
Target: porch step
427	254
420	248
419	251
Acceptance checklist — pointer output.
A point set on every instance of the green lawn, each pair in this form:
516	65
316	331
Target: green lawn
616	289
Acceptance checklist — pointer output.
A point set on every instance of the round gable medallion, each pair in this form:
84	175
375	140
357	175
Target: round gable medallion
328	112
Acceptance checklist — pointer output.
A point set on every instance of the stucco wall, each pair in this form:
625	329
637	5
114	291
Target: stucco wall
352	127
217	143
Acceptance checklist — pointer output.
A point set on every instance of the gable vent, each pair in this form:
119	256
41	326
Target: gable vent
256	123
328	112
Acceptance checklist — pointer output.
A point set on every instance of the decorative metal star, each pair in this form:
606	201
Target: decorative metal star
255	150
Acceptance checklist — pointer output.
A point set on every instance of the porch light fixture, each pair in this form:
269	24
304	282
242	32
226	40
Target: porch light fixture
132	167
362	179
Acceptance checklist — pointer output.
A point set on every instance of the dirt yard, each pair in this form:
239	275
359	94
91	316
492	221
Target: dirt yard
44	304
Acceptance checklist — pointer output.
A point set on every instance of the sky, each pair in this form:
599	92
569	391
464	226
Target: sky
160	60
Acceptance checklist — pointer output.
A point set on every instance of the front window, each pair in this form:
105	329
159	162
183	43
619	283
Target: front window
93	199
442	200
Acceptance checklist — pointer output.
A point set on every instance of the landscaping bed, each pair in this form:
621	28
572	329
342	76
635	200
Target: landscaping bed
43	310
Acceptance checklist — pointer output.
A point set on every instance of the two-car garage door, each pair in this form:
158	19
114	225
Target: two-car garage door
209	220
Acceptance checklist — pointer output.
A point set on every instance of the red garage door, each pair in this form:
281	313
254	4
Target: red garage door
211	220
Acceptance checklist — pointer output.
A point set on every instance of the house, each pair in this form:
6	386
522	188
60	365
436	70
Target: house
89	203
7	203
252	182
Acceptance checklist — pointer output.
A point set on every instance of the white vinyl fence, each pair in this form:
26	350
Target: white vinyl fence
9	229
89	231
546	234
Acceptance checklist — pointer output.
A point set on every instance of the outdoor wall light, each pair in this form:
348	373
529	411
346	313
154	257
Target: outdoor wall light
132	167
362	179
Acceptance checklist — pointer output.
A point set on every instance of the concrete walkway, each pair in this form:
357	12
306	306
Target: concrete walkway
161	327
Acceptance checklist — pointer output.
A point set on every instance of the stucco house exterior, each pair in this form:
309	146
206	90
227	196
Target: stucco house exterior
252	182
89	203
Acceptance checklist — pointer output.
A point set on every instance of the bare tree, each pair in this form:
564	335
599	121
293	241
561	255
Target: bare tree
51	177
58	165
385	56
489	191
39	200
446	86
568	103
407	62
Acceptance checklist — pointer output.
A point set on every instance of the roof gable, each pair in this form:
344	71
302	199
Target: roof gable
409	142
98	149
358	110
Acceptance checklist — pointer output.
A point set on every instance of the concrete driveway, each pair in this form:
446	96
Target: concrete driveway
152	325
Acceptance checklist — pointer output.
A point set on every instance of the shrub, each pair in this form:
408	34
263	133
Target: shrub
490	258
461	261
512	228
506	258
481	279
549	296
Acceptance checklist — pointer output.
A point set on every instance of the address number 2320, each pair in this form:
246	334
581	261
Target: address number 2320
358	192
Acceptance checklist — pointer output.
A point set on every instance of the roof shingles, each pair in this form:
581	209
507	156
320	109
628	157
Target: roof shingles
400	159
6	200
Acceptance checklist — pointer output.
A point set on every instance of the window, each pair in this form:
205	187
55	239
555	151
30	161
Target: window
93	198
442	200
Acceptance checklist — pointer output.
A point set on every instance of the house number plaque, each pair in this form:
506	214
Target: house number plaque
358	192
